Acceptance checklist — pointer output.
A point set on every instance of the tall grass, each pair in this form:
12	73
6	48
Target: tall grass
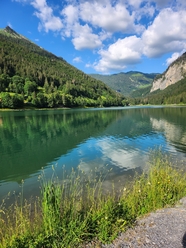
76	211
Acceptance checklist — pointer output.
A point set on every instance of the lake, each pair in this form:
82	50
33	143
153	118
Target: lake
120	139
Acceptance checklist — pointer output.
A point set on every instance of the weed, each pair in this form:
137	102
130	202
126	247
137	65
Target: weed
77	210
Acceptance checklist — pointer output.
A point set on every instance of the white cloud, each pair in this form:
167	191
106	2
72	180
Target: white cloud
77	60
89	65
159	3
135	3
181	3
110	18
104	35
119	55
124	30
166	34
47	19
125	156
84	38
173	58
148	11
10	25
70	14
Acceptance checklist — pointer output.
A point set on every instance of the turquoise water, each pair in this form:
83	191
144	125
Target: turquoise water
121	139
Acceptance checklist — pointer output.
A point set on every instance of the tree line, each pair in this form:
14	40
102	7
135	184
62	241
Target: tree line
173	94
16	92
30	75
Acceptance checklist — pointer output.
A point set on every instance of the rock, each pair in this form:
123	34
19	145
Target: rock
175	72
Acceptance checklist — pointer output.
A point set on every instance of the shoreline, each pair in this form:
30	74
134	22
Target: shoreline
84	107
163	228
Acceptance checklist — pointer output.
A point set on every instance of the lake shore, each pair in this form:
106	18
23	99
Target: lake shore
163	228
74	217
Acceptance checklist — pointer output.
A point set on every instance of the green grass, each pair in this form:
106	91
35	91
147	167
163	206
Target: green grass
77	210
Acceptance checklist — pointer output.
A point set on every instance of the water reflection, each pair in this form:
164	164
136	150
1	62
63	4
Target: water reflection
119	139
30	140
174	134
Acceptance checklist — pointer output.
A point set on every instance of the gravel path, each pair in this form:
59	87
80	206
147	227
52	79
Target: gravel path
165	228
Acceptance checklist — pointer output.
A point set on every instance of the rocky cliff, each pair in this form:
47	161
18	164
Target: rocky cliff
175	72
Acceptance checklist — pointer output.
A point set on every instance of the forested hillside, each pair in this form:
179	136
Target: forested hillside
168	87
173	94
127	83
141	92
31	76
175	72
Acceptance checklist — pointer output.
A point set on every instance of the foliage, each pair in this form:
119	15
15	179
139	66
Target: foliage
77	211
46	132
173	94
160	187
29	70
11	101
141	92
126	83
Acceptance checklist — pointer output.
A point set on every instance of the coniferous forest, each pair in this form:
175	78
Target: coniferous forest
173	94
33	77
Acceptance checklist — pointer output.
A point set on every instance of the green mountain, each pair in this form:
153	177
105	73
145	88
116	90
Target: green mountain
174	73
30	75
173	94
127	83
168	87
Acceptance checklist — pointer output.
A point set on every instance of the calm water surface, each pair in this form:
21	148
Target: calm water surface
117	138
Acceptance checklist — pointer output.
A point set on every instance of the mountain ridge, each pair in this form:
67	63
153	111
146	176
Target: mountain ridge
9	31
127	82
34	73
168	87
175	72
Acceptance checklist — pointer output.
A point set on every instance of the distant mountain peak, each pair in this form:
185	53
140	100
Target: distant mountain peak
127	82
10	32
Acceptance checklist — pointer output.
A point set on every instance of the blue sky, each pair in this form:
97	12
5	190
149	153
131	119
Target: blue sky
103	36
